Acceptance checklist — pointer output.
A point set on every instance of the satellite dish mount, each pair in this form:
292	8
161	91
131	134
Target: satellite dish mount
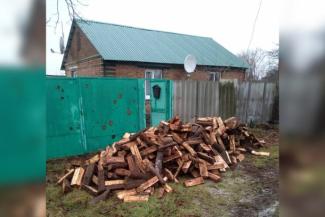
190	64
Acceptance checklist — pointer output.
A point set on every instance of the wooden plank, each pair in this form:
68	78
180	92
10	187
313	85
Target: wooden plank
186	166
136	198
149	150
205	147
69	174
77	176
114	182
124	193
216	166
189	149
203	169
206	157
214	177
112	160
177	138
122	172
147	184
88	174
194	182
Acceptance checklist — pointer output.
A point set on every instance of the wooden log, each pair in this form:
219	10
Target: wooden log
186	166
147	184
116	165
206	157
203	169
133	183
189	149
205	147
115	182
88	174
66	187
171	144
194	182
100	197
169	174
158	162
69	174
124	193
171	157
260	153
135	171
77	176
154	171
214	177
177	138
149	150
216	166
136	198
179	169
113	160
101	178
122	172
91	190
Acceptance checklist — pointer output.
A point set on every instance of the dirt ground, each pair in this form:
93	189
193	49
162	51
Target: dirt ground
251	189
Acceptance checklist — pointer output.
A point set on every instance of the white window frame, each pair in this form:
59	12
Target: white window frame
216	76
152	76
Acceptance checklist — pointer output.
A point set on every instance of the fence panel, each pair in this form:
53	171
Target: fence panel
249	100
86	114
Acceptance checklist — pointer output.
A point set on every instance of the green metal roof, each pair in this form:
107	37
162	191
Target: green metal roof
124	43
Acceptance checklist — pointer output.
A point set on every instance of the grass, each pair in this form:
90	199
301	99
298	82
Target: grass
239	192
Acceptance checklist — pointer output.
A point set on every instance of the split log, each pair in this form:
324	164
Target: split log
189	149
66	187
69	174
136	198
214	177
203	169
88	174
206	157
147	184
186	166
194	182
124	193
90	190
113	160
159	159
122	172
77	176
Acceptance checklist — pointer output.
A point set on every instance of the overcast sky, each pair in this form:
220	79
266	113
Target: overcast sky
229	22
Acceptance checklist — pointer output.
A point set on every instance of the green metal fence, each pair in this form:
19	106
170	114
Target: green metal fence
86	114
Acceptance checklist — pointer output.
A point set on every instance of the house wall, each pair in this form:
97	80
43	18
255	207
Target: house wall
83	55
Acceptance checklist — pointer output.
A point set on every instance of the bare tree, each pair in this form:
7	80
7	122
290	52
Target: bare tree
72	8
257	61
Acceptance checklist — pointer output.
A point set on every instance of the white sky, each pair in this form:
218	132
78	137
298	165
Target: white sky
229	22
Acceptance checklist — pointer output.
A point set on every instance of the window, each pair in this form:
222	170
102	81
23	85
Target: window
151	74
73	71
214	76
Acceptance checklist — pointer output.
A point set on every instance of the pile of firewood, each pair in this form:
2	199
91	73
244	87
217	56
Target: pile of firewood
141	163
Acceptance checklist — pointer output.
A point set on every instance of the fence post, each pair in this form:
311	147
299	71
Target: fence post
263	99
248	99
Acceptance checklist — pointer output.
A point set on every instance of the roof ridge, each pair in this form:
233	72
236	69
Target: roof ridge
132	27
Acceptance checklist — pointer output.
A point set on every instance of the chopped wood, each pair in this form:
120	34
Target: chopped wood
193	182
88	174
124	193
77	176
136	198
65	176
214	177
114	182
147	184
143	162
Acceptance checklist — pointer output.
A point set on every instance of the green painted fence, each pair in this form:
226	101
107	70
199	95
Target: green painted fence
87	114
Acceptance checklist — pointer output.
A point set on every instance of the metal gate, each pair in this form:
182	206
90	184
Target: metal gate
161	103
87	114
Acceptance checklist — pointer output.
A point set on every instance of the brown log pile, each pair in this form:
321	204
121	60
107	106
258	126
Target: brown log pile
142	163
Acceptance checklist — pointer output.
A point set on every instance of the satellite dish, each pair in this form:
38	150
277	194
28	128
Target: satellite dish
61	45
190	63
